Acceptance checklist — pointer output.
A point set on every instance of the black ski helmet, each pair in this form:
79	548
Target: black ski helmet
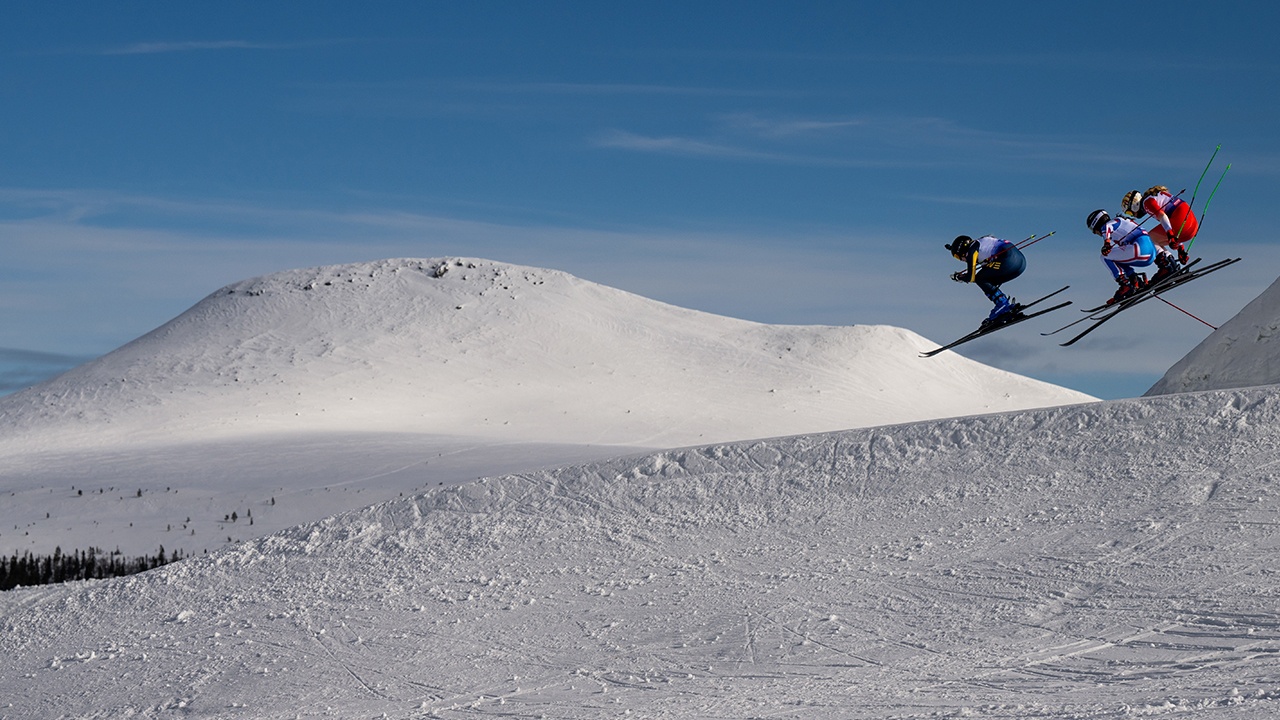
1098	220
960	247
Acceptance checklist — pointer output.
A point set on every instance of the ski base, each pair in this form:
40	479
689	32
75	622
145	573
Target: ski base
1155	291
1020	316
1185	269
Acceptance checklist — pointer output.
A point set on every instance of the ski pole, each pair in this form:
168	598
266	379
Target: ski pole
1029	242
1215	191
1206	204
1197	191
1206	170
1184	312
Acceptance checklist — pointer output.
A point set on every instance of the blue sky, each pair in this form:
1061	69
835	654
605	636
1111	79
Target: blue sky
785	162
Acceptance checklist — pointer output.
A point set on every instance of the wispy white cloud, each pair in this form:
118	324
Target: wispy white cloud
790	127
674	145
566	88
693	147
149	48
183	46
88	281
565	102
875	141
1023	202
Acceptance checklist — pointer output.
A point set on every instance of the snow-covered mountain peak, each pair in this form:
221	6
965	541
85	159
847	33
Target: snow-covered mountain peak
1243	352
471	347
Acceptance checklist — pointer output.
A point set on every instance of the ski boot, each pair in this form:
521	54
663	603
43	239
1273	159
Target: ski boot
1129	284
1005	309
1168	265
1183	257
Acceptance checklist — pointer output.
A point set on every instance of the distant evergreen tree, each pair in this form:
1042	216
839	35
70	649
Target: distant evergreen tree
29	570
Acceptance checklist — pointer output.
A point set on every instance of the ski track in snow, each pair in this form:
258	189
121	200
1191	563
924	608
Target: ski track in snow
1106	560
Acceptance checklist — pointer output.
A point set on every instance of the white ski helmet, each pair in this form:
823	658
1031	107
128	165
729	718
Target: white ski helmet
1133	203
1098	220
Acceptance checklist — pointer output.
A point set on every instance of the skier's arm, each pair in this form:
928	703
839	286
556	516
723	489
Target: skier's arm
1153	209
970	272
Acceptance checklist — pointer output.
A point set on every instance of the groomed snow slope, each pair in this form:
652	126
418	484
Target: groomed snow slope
1104	560
509	353
1243	352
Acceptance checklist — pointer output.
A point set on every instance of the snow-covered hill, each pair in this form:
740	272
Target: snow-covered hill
1102	560
486	349
1243	352
287	398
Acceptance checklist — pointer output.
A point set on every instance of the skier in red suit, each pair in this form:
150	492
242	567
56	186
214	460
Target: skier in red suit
1178	225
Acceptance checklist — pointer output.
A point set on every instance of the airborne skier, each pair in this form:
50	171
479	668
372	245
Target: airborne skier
1178	225
990	262
1125	246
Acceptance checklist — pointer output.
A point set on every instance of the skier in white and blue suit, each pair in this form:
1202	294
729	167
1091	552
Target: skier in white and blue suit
991	262
1125	246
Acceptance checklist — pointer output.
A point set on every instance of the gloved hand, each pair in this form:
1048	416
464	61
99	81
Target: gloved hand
1106	248
960	276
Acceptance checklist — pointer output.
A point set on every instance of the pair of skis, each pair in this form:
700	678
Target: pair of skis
1013	318
1101	314
1096	316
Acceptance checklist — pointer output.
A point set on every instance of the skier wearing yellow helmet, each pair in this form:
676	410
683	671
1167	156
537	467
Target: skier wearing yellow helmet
1178	225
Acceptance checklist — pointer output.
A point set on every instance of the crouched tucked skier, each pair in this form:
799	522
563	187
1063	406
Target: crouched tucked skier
990	262
1178	224
1125	246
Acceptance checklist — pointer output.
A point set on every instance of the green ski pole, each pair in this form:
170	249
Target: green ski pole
1197	190
1206	170
1206	202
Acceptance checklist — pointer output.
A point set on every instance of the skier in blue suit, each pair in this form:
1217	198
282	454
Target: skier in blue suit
990	262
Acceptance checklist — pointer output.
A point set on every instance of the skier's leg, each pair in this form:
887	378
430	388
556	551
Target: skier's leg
1160	239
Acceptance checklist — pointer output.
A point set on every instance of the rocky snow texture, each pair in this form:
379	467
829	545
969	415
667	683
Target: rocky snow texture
1244	352
1091	561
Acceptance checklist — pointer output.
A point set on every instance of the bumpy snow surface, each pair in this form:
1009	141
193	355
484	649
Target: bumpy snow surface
287	398
1244	352
1101	560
